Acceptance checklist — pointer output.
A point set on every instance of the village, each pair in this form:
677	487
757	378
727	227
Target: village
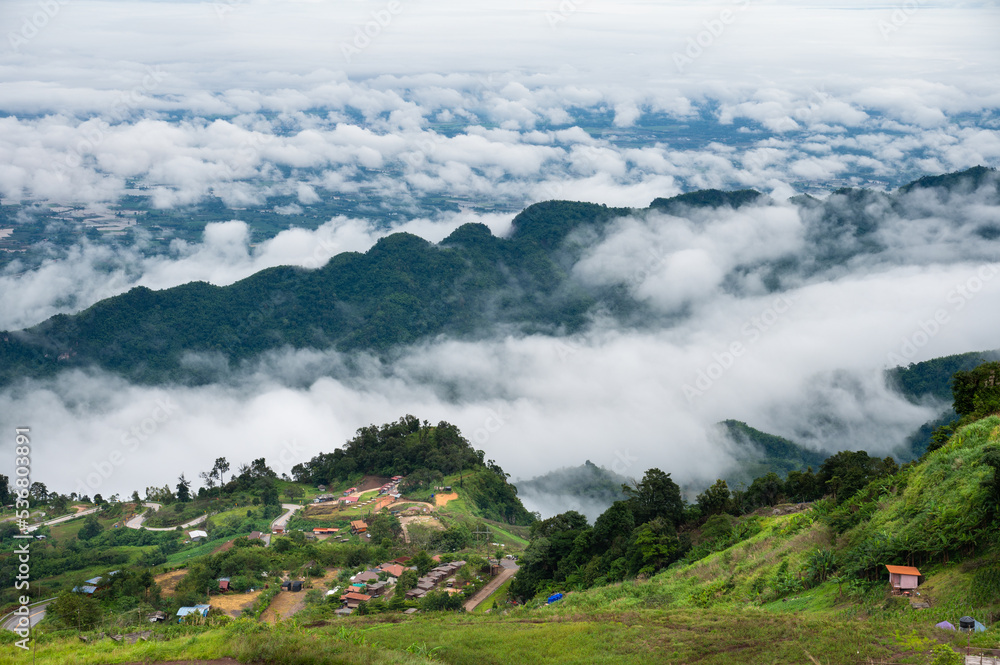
348	590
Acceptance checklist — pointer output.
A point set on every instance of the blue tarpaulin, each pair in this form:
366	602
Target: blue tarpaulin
980	628
553	598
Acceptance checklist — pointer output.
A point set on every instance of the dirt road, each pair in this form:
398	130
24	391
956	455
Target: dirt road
488	590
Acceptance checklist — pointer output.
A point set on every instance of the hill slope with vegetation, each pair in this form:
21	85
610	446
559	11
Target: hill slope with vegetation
405	289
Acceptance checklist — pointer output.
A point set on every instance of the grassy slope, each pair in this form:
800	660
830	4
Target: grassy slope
709	611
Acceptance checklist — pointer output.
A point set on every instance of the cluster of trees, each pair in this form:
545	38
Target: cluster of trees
633	536
651	528
424	453
405	447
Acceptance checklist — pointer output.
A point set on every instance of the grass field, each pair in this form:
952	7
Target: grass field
547	635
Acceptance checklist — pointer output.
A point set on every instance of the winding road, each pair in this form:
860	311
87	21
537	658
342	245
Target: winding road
37	614
136	522
60	520
282	522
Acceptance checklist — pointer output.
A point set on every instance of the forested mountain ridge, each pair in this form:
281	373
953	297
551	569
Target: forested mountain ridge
472	284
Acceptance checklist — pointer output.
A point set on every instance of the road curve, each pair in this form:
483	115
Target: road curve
282	522
37	614
60	520
136	522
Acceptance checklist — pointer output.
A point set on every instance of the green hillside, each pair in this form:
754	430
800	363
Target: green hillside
778	586
759	452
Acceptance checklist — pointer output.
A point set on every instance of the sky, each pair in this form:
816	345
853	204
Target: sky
245	100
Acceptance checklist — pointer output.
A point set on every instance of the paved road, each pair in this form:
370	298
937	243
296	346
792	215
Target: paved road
37	614
493	585
282	522
60	520
136	522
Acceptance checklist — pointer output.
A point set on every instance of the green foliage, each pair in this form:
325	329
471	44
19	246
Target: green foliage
715	500
928	512
977	391
944	655
761	452
406	581
385	525
76	610
656	495
91	528
820	565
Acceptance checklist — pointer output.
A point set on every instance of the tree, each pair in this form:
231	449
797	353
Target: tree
614	527
91	528
208	477
220	468
5	495
76	610
38	492
423	562
407	580
269	495
715	499
183	488
655	545
656	495
385	525
983	383
766	490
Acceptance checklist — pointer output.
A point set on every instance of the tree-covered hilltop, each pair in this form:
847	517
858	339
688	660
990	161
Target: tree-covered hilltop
759	452
425	454
405	289
587	484
933	380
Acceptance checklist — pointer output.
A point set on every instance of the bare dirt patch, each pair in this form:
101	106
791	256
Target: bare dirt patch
233	604
443	499
284	605
228	545
372	483
168	581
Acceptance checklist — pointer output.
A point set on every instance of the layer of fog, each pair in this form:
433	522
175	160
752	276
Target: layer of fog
804	363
